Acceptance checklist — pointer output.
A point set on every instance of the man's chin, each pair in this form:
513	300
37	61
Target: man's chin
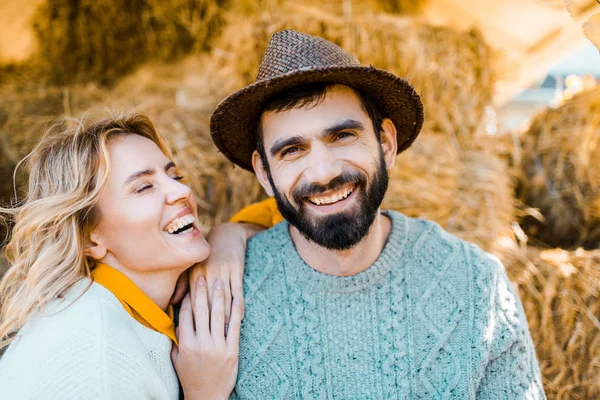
327	220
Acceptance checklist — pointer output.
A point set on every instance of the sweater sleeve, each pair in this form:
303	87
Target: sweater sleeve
264	213
512	371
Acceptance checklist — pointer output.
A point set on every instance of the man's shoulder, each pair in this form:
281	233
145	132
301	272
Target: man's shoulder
263	247
426	235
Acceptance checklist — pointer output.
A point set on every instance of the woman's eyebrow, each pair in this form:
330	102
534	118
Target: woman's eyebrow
147	172
138	174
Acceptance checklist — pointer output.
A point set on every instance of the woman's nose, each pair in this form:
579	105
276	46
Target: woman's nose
177	191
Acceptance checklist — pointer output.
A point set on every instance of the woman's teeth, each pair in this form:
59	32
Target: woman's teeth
181	222
325	200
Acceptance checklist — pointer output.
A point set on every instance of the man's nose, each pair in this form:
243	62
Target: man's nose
323	165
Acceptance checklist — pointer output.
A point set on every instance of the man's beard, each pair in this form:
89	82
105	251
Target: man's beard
340	231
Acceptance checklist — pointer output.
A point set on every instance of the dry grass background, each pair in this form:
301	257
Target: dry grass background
561	173
454	174
559	290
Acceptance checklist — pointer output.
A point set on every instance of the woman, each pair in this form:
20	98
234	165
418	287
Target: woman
98	245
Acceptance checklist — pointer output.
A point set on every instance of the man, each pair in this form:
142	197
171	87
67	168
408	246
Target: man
342	300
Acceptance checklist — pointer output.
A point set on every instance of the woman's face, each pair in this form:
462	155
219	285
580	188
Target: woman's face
147	216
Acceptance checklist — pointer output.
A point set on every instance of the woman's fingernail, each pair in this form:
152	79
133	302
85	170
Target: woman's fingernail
236	302
219	285
201	281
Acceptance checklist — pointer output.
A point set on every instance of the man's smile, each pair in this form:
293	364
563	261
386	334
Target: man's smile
331	197
332	202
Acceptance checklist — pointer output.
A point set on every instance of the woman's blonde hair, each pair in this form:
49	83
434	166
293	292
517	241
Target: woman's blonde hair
67	171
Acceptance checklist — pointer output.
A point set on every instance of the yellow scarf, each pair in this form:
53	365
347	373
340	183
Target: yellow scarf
136	303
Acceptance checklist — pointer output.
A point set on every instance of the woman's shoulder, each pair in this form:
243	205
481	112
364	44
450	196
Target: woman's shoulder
72	341
76	318
85	307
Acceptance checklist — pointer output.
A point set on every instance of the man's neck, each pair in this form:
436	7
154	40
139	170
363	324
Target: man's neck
346	262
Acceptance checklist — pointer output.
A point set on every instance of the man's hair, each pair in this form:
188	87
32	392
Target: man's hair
311	95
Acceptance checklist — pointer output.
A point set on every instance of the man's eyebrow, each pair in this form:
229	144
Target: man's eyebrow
283	143
295	140
147	172
344	125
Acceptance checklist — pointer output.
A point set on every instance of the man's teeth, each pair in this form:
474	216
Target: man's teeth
180	223
330	199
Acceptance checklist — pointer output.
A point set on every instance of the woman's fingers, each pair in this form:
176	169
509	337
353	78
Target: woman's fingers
217	314
195	273
237	291
174	354
233	333
181	287
237	275
227	296
186	321
201	314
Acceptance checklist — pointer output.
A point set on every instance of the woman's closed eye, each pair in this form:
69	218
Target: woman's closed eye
143	188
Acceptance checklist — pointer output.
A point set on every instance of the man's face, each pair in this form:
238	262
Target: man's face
328	171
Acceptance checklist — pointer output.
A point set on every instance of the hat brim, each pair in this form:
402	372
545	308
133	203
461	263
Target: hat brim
233	123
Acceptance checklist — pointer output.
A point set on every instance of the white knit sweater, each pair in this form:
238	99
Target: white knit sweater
92	349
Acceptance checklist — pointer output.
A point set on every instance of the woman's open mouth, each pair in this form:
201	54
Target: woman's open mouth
182	225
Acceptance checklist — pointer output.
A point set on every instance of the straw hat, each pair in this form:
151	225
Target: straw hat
293	58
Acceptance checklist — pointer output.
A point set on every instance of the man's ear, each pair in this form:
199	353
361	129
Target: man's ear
94	248
389	142
261	173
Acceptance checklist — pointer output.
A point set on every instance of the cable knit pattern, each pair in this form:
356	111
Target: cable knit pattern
433	318
87	347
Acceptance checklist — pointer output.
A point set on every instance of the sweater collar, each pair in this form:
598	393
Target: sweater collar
135	301
297	269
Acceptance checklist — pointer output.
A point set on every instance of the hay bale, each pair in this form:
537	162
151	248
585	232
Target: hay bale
561	173
483	207
560	294
449	69
336	7
99	40
27	108
423	179
467	191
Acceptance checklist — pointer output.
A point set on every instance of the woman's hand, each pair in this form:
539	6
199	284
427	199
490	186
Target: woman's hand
206	360
225	262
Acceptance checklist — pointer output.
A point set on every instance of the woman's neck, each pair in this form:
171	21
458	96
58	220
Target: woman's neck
157	285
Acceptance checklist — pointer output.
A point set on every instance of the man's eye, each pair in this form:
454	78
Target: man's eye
143	188
344	135
289	151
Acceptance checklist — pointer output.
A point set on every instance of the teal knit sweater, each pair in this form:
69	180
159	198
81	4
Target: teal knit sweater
433	318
